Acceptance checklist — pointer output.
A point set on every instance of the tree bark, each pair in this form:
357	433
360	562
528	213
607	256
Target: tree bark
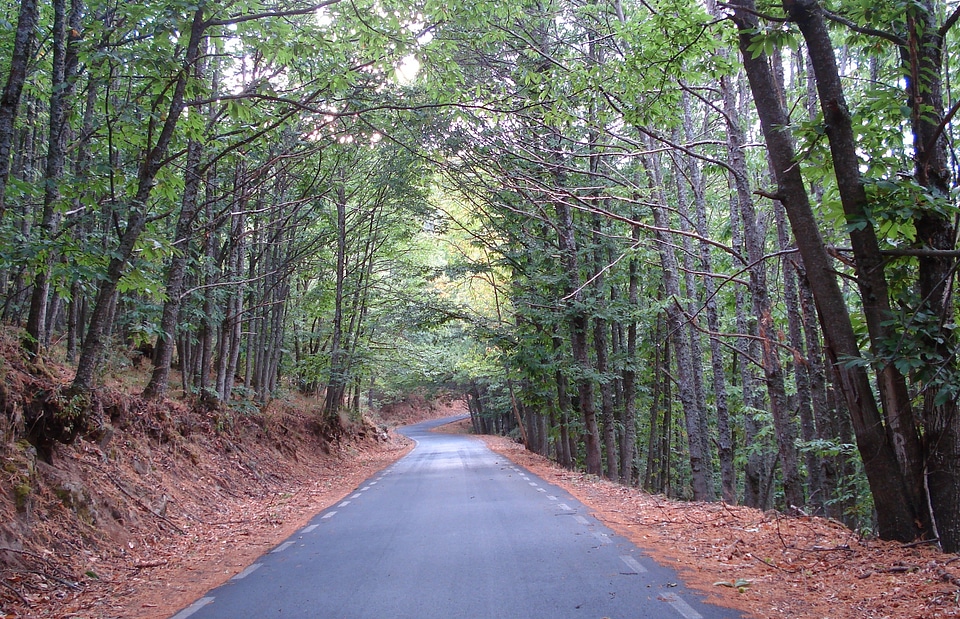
628	446
700	461
163	352
62	87
23	48
897	513
155	158
935	230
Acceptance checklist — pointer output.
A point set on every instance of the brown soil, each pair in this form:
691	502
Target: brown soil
168	500
763	563
176	501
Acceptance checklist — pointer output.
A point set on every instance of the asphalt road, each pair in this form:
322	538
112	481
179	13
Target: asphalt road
454	530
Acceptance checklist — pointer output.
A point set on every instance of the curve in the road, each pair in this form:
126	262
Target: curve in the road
454	530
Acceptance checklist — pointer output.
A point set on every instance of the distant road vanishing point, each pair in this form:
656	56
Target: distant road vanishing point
454	530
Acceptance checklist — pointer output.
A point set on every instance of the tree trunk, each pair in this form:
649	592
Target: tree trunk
700	461
923	56
23	48
579	328
564	454
62	87
600	347
628	446
155	158
163	352
897	513
336	379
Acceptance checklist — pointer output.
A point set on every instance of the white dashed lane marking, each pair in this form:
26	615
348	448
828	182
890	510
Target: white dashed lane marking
581	519
282	547
565	507
344	504
186	612
633	564
328	515
250	570
682	607
355	496
310	528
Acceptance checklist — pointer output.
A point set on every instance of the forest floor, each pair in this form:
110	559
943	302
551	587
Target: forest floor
765	564
173	499
175	502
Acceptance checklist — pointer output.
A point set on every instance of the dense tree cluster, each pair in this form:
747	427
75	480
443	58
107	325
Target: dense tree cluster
706	248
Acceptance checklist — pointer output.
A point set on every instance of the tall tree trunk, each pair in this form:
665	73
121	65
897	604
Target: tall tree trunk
163	352
62	87
24	41
700	460
579	329
601	352
564	454
825	419
336	380
897	513
154	159
659	399
923	57
628	446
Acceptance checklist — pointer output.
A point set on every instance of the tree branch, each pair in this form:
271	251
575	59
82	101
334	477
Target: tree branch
873	32
949	22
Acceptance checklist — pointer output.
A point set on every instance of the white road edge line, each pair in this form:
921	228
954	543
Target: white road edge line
328	515
310	528
682	607
633	564
186	612
250	570
281	547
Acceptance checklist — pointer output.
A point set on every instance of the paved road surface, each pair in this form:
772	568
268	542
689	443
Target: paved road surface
454	530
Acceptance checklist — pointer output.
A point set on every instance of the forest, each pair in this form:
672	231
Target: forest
705	248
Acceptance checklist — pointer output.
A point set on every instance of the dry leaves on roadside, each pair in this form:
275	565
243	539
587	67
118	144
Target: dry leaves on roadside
764	563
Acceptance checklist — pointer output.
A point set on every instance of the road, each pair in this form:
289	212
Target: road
454	530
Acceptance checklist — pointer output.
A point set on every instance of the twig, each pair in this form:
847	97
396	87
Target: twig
921	542
946	576
845	547
139	565
899	569
18	594
783	542
65	583
145	507
40	558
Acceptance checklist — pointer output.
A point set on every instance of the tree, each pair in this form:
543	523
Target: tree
898	514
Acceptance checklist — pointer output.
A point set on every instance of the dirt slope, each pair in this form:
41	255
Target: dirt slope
166	500
766	564
172	501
